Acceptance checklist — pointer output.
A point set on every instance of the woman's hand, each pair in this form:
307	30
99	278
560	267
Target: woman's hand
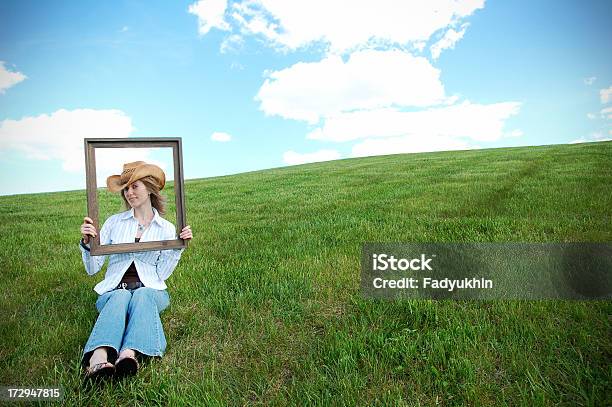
88	229
186	233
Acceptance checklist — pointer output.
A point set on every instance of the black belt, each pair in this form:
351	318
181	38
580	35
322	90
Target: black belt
129	286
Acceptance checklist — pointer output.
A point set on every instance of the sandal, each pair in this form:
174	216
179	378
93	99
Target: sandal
99	371
126	366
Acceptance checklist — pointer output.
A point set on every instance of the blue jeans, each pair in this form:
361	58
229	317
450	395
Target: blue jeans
129	319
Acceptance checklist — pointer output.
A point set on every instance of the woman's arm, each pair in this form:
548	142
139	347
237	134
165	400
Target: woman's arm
93	264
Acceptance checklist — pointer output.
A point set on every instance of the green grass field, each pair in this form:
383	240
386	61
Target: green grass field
265	303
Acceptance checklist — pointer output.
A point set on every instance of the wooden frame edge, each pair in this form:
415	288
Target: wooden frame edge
90	144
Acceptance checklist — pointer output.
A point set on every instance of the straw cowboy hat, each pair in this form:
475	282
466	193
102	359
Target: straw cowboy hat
133	172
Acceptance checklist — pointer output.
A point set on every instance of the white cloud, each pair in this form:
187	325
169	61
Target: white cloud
59	136
408	144
293	158
109	161
593	138
221	137
9	78
231	44
368	80
606	113
251	19
468	120
514	133
419	46
236	66
605	95
590	80
367	87
346	24
448	41
210	15
591	116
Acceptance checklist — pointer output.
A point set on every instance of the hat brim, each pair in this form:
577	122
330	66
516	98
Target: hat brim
114	184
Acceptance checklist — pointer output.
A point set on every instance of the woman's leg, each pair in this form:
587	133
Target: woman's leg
144	332
109	327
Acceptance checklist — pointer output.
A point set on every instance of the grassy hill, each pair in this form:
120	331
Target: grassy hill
265	304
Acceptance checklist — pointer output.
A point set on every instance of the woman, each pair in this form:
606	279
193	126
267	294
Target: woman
133	291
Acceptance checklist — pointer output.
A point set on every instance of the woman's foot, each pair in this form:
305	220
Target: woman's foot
126	364
99	371
99	355
99	366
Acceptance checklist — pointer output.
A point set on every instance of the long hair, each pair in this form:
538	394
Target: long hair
158	201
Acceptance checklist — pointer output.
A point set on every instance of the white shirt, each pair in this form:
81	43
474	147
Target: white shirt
153	267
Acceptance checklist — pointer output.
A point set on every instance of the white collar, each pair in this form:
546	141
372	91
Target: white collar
130	214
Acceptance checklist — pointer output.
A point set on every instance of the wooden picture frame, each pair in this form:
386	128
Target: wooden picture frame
96	249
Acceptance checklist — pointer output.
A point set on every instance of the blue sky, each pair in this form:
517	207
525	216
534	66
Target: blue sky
292	82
